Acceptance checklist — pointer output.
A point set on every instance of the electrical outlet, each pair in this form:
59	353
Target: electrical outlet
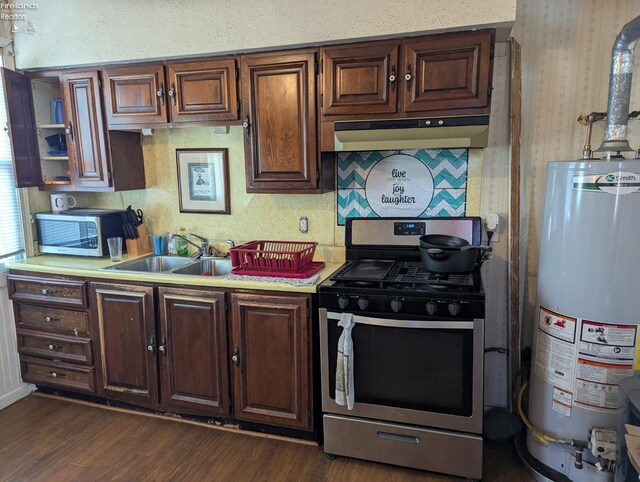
304	224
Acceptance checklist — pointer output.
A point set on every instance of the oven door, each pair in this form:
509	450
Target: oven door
420	372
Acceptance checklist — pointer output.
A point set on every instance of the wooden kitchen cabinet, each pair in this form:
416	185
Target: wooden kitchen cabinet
360	78
447	71
21	129
124	316
135	95
271	353
279	111
194	364
203	91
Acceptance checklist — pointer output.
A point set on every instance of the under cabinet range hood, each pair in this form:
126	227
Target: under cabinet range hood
434	132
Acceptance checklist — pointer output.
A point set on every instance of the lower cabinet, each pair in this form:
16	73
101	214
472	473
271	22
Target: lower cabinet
271	358
180	350
125	325
193	352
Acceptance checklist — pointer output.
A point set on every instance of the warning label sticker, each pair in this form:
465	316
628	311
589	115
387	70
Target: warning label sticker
597	383
561	402
606	341
555	349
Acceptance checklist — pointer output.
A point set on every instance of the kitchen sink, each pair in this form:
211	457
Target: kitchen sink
217	267
153	264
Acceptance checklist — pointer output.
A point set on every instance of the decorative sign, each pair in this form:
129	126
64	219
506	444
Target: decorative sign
399	185
203	180
412	183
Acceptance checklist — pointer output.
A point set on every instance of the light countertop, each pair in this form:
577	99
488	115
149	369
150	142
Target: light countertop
94	268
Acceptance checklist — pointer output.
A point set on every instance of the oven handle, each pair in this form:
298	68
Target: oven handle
436	325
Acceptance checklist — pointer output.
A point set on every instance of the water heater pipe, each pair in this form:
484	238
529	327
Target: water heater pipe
615	139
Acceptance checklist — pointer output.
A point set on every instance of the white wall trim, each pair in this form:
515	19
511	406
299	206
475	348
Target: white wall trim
17	394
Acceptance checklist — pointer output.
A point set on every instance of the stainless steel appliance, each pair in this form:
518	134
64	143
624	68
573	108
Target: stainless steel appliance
418	346
81	232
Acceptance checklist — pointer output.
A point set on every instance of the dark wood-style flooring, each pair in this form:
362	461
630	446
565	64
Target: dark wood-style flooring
44	439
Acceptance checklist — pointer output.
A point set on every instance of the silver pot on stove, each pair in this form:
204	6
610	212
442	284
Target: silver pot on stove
442	253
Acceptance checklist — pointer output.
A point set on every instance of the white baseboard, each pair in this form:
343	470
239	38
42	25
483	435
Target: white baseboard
15	395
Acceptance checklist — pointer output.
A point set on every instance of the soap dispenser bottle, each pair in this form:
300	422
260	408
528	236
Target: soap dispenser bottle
182	248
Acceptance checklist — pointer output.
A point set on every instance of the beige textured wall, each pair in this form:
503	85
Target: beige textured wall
72	32
566	51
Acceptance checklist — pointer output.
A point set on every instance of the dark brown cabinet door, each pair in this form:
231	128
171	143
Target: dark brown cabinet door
271	357
360	79
193	352
279	105
21	129
203	91
448	71
135	95
125	327
85	129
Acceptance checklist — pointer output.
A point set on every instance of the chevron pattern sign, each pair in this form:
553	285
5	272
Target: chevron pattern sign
413	183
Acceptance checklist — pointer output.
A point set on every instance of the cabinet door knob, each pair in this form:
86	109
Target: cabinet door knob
393	78
236	356
151	345
160	94
162	348
246	124
408	77
172	94
69	130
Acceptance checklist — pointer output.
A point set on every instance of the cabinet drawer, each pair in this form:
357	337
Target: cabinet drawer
57	374
57	347
56	319
48	290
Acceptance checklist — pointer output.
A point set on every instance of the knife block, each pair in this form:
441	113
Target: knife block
141	245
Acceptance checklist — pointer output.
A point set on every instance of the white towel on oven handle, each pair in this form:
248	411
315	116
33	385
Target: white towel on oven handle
344	369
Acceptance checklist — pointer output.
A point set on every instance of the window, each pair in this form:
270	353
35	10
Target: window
11	235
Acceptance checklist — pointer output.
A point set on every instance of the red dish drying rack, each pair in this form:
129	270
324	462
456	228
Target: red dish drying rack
281	259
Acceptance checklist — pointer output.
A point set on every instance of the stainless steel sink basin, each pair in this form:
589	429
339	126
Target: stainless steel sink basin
153	264
217	267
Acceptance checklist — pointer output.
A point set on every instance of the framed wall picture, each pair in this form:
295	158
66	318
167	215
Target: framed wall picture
203	180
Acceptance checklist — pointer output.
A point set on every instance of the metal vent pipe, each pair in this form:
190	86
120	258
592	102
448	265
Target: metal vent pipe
615	137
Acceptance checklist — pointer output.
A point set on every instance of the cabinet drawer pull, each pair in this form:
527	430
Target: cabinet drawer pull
172	94
398	437
50	319
55	375
47	291
236	356
53	347
160	94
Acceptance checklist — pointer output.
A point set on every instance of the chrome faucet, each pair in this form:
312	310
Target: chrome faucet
201	250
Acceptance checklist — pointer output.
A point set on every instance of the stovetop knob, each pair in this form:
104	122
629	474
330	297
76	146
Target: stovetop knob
363	303
396	305
343	301
454	308
432	307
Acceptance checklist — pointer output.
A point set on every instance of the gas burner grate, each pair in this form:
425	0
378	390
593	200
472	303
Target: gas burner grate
415	273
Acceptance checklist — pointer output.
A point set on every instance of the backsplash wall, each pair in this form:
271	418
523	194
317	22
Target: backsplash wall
253	216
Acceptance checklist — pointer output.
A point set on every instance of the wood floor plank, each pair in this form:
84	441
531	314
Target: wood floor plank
46	439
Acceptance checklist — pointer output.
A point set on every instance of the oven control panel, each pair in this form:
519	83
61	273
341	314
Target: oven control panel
409	228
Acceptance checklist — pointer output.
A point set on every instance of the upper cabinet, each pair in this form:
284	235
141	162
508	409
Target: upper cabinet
181	92
448	71
279	107
135	95
58	136
203	91
360	78
416	76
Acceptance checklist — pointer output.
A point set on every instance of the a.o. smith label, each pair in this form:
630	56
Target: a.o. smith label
611	183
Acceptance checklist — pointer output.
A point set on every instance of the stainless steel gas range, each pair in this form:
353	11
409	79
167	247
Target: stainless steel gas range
418	345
